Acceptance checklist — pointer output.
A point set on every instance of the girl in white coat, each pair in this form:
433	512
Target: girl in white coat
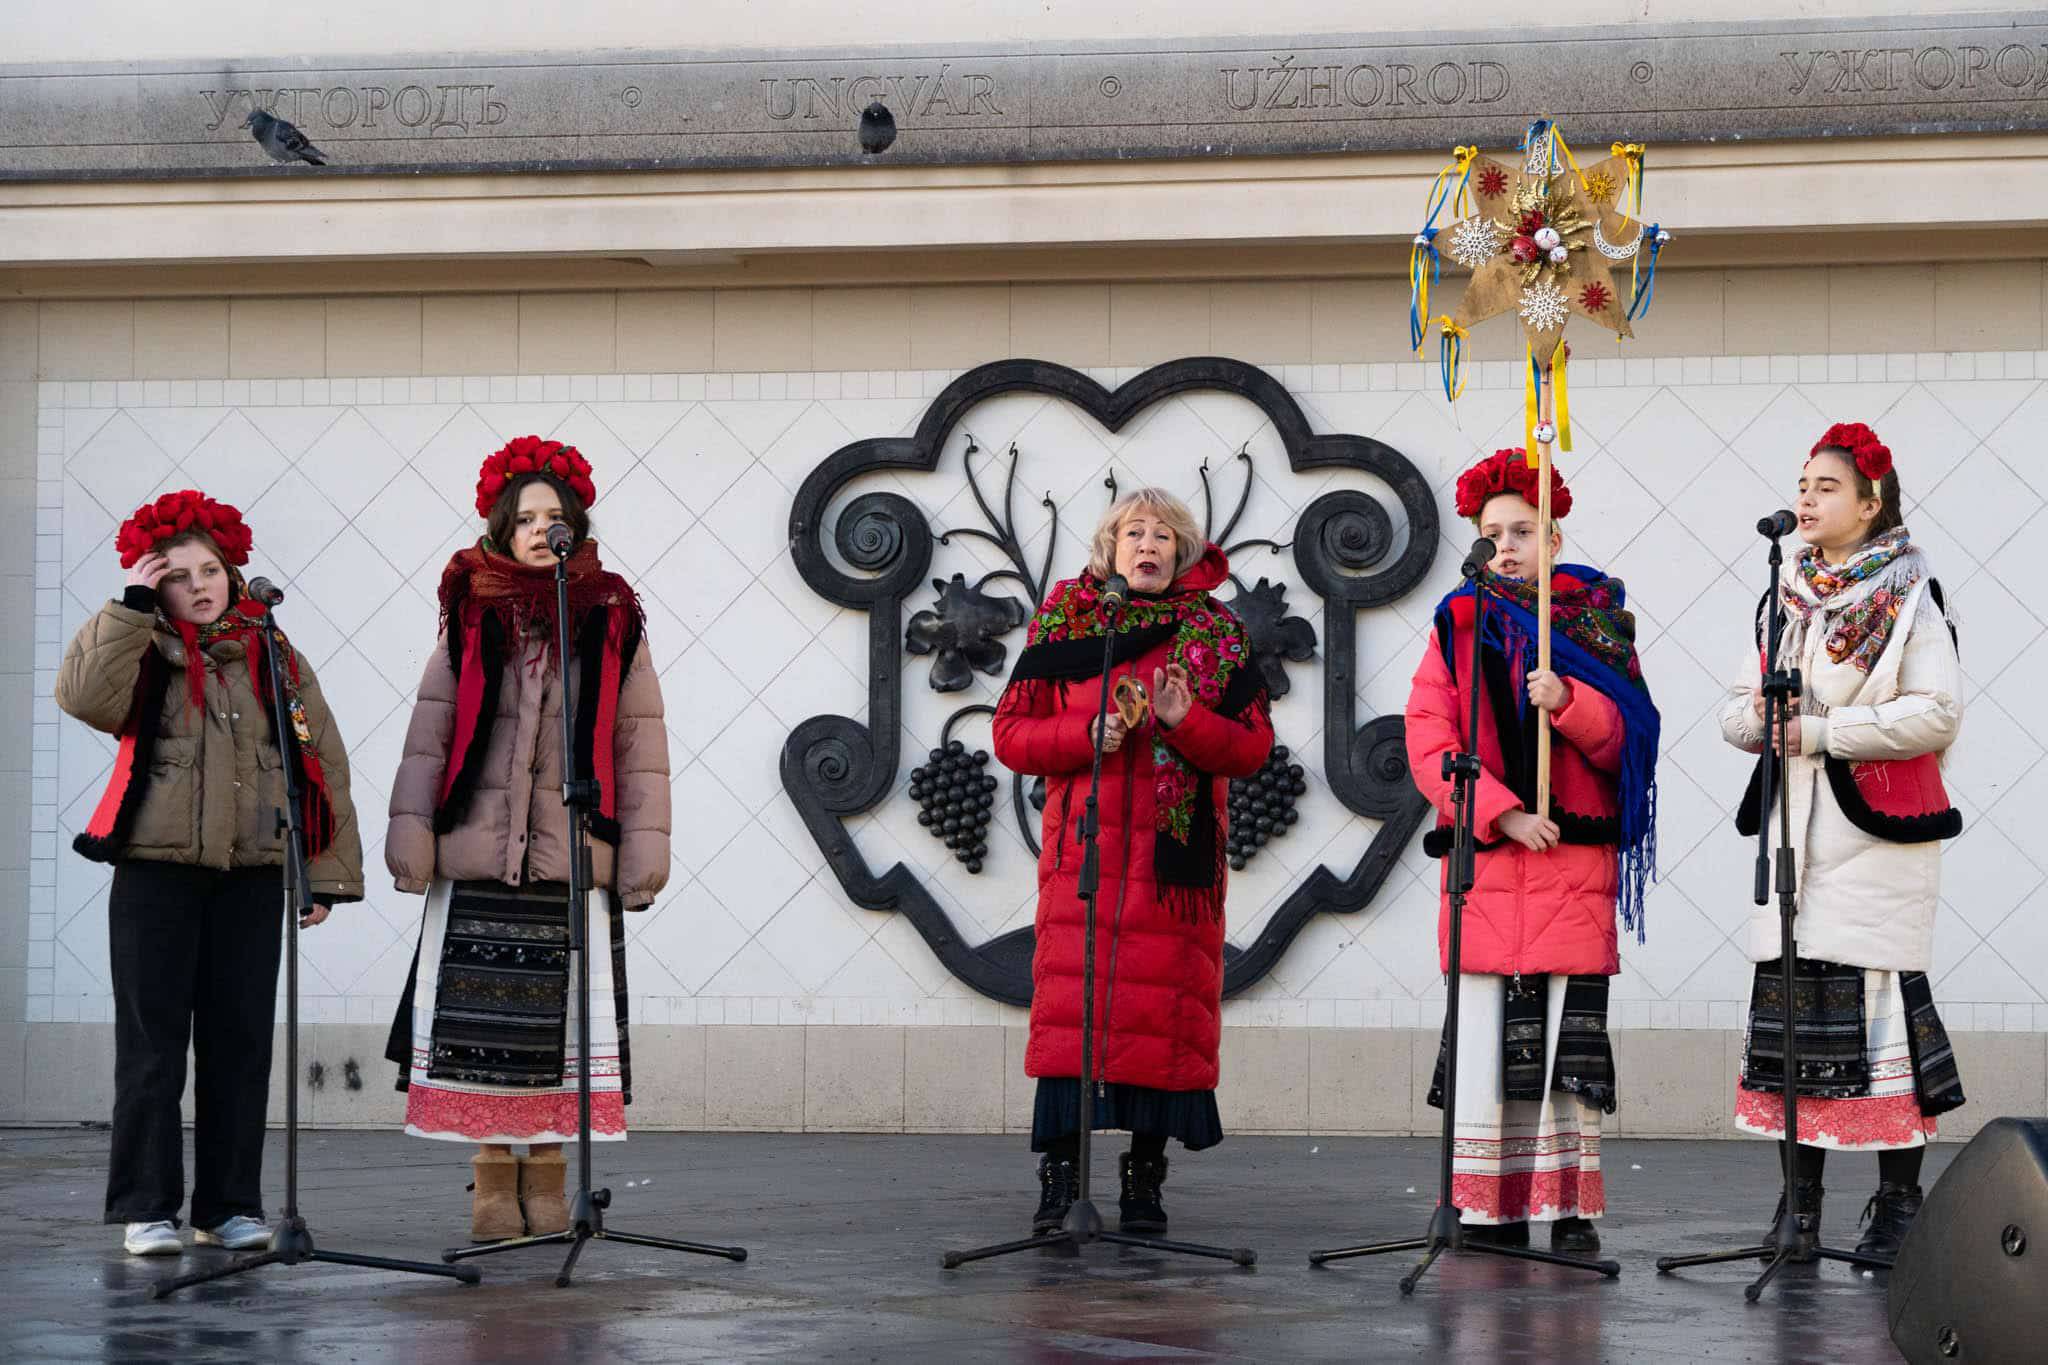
1865	624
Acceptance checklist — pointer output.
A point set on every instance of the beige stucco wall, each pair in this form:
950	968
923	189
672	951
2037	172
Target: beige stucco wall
945	1077
1875	259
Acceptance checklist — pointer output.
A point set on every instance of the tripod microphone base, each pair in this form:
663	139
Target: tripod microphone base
590	1230
1795	1242
1446	1233
1084	1225
292	1244
586	1224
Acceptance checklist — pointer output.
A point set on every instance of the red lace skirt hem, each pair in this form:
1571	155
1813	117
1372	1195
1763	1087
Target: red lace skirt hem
549	1116
1871	1123
1518	1195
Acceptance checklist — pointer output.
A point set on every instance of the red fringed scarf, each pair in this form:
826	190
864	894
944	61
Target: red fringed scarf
105	836
490	606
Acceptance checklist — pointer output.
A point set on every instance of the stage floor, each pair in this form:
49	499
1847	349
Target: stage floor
845	1234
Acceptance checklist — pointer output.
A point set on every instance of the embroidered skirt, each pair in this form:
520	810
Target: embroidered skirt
493	1018
1537	1158
1875	1065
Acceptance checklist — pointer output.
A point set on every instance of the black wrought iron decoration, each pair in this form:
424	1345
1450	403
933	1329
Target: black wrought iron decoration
1344	544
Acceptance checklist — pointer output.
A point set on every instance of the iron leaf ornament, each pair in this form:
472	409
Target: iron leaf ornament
962	632
1277	639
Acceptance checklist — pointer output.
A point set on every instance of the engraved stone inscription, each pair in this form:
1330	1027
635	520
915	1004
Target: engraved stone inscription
1271	96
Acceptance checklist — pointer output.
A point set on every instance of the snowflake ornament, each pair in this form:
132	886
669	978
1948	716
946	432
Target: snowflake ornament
1594	297
1543	307
1474	242
1493	182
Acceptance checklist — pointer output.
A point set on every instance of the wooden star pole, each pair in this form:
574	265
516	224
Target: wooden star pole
1542	240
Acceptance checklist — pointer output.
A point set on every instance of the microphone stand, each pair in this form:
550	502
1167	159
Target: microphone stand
1083	1222
1797	1236
1446	1232
581	796
291	1243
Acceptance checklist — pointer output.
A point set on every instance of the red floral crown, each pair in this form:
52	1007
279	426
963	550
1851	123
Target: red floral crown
532	455
1873	457
173	515
1507	471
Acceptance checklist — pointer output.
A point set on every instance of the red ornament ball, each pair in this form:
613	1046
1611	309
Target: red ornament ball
1524	250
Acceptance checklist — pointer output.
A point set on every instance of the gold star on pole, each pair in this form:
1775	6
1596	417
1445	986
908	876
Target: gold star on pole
1542	292
1542	242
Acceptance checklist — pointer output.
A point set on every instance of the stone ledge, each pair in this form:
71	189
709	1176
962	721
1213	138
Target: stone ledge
1676	1083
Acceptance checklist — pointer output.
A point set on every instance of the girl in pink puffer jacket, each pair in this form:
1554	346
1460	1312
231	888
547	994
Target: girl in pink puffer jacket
1535	1069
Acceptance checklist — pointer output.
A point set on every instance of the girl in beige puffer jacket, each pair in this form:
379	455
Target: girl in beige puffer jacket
176	670
485	1035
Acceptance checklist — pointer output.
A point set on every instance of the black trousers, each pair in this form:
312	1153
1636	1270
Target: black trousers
194	954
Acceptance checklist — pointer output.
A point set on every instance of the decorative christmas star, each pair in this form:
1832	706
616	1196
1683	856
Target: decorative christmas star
1558	240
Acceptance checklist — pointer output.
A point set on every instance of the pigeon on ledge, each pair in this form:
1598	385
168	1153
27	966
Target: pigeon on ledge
282	140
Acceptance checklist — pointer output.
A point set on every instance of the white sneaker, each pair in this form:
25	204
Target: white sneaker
152	1239
239	1233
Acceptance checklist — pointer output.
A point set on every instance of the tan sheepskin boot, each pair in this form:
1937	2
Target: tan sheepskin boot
541	1179
494	1207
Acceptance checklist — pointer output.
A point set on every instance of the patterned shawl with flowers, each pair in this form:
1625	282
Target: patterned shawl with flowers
1593	642
1064	646
1857	601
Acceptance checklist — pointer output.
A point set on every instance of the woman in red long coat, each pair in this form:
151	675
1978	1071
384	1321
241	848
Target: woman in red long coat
1535	1072
1163	804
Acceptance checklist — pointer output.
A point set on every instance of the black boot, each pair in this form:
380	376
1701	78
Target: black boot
1574	1237
1515	1234
1140	1205
1059	1184
1890	1212
1810	1193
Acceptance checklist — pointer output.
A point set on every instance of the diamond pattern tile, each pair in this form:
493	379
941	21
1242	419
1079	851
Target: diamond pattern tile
119	466
358	502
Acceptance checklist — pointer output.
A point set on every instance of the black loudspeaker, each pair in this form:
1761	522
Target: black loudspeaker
1971	1282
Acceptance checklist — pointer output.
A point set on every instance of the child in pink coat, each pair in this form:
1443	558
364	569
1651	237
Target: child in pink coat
1535	1072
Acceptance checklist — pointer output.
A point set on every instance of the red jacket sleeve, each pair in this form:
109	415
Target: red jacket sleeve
1435	728
1592	724
1035	735
1220	746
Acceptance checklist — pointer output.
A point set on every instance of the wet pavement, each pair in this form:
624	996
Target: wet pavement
845	1234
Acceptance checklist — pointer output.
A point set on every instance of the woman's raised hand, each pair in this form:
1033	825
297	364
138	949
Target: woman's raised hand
1171	697
148	571
1113	731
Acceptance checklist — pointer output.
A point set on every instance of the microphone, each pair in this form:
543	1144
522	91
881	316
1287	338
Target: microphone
1479	557
1116	591
265	591
1779	523
561	540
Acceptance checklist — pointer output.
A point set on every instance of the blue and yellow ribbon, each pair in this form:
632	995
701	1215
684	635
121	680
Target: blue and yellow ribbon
1633	154
1532	403
1425	266
1639	304
1451	356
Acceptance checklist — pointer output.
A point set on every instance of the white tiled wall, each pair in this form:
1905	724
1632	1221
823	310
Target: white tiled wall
359	488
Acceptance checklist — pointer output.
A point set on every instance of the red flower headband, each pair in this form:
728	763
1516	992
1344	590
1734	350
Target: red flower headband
173	514
1507	471
532	455
1873	457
